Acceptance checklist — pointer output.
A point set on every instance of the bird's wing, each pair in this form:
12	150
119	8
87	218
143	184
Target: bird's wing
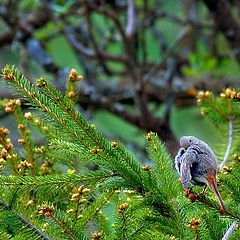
186	161
178	159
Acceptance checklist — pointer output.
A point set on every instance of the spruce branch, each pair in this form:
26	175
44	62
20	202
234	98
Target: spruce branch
5	236
7	152
55	179
93	209
24	221
25	133
89	134
63	114
64	228
162	174
71	91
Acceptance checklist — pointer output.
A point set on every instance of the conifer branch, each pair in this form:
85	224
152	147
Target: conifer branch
25	133
105	149
24	221
66	116
93	209
54	179
64	228
218	110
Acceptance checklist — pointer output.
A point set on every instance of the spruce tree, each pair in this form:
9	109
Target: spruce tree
120	200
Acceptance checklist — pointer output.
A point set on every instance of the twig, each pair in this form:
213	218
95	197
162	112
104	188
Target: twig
64	228
230	231
230	133
182	34
130	28
79	47
24	221
204	200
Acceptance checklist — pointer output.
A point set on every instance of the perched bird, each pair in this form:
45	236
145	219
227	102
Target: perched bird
197	165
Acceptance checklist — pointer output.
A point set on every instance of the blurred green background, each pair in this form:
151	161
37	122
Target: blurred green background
201	60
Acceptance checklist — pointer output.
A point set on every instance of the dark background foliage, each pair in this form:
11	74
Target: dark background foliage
143	61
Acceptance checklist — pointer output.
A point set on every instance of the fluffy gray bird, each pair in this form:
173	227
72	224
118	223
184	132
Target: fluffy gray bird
197	165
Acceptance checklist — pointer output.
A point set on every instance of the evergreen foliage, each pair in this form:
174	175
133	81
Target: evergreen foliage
120	200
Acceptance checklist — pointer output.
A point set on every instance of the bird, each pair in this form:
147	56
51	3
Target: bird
197	165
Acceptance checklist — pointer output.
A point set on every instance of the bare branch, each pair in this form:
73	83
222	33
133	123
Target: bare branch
130	28
226	23
79	47
230	133
182	34
230	230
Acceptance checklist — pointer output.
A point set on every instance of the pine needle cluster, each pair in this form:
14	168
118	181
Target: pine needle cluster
41	199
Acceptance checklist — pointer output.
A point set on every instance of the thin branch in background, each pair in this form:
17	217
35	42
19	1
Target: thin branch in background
79	47
230	133
230	231
24	221
181	36
130	27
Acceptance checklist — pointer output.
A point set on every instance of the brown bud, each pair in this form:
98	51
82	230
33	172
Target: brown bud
8	109
222	211
75	195
79	78
47	214
94	235
207	94
4	152
123	206
18	101
114	144
51	208
119	211
9	146
10	75
186	192
73	72
71	94
148	136
228	92
146	167
200	94
28	115
20	126
192	197
5	131
21	141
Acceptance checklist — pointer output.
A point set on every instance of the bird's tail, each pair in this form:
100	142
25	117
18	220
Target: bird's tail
213	185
